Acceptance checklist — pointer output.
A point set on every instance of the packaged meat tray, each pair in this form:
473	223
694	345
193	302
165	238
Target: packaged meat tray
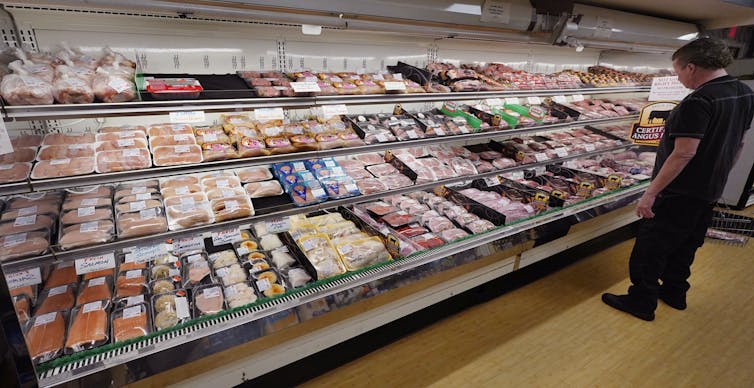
371	186
240	294
218	151
396	181
156	130
450	235
88	233
28	224
340	187
56	299
128	207
249	147
281	259
70	151
322	255
398	219
26	141
187	215
307	193
463	167
263	189
88	192
57	168
122	129
370	158
89	327
19	155
297	277
362	253
380	208
188	200
384	169
170	309
176	155
144	190
231	208
178	181
178	191
173	88
142	223
358	173
45	336
16	172
428	241
130	322
196	273
61	139
253	174
96	289
208	299
24	244
227	192
64	273
171	140
121	144
219	259
220	182
122	160
131	283
231	274
22	305
86	214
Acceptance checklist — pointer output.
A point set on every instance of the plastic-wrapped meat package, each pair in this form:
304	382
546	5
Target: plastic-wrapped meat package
517	210
463	167
439	224
85	234
358	173
189	214
465	218
175	155
371	186
361	253
427	241
62	167
22	88
384	169
122	160
253	174
490	155
19	155
66	152
444	172
113	87
370	158
218	151
24	244
379	136
170	130
26	141
479	226
396	181
71	89
427	216
14	172
483	166
453	234
59	139
423	174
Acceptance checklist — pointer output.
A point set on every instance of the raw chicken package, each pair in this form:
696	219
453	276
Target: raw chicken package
176	155
15	172
263	189
89	327
110	85
362	253
23	88
253	174
88	233
58	168
69	88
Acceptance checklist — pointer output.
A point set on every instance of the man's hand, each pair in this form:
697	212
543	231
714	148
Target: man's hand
644	207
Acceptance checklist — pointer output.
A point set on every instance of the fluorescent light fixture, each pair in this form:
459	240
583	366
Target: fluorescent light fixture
690	36
309	29
469	9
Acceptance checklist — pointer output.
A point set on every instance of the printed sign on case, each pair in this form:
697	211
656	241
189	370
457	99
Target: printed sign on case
667	89
651	125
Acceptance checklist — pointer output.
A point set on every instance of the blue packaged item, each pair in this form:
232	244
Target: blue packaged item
316	164
340	187
297	177
280	170
307	193
329	172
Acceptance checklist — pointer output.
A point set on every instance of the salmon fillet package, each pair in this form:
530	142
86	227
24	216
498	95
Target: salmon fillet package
95	289
88	327
131	322
63	273
56	299
45	336
131	283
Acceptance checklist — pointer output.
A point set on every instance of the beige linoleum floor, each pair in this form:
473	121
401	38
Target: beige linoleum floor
556	332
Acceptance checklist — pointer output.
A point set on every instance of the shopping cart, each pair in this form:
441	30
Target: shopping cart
729	228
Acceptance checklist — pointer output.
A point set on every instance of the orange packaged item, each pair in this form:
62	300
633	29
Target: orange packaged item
22	305
94	290
55	299
99	274
131	283
63	274
131	322
46	336
88	328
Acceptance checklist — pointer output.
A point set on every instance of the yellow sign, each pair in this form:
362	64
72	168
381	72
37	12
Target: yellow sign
651	125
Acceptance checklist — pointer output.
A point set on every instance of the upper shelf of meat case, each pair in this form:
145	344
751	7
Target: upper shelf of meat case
59	111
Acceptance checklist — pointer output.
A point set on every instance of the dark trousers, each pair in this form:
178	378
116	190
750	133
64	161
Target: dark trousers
665	247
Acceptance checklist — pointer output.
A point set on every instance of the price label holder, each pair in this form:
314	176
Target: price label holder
334	110
559	99
269	114
191	116
278	225
534	100
577	97
23	278
512	100
95	263
391	85
305	87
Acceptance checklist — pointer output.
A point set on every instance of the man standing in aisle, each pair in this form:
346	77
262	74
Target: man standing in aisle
702	140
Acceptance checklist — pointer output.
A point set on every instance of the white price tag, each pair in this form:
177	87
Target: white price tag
540	157
97	282
577	97
126	143
464	129
529	208
14	239
193	258
511	100
231	205
25	221
211	292
381	138
192	116
5	145
492	181
132	300
133	274
263	284
278	225
412	134
182	308
23	278
27	211
305	87
398	76
45	319
57	162
439	131
89	202
534	100
92	306
137	206
589	147
345	249
143	196
515	175
559	99
269	114
148	214
493	102
222	183
181	137
395	85
319	192
131	312
188	202
57	290
89	227
561	151
334	110
182	149
228	236
209	137
183	190
378	77
95	263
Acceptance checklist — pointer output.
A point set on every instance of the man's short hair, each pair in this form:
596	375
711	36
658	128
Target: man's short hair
709	53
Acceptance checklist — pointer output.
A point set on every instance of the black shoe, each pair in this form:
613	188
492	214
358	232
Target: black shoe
624	303
676	302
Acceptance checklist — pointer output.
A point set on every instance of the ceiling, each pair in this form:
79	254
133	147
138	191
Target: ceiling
711	14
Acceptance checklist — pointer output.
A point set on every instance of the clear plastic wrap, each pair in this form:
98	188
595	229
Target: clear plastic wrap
187	215
45	336
240	294
131	322
24	244
142	223
170	309
15	172
176	155
86	214
69	88
231	274
122	160
58	298
109	85
89	327
58	168
231	208
22	88
208	299
69	151
135	142
362	253
131	283
371	186
28	223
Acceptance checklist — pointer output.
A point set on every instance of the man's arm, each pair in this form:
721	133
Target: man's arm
683	152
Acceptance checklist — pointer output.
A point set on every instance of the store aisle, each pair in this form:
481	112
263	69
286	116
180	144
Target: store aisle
557	332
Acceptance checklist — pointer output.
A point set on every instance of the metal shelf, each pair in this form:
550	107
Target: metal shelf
73	254
130	353
60	111
156	172
16	188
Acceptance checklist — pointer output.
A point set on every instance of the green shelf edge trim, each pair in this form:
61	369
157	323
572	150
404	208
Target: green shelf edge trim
65	360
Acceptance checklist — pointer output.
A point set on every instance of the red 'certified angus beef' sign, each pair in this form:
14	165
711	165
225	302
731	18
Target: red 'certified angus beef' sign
651	125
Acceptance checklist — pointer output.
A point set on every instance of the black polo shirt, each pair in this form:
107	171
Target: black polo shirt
718	113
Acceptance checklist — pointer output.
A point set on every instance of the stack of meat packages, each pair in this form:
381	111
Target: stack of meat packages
622	131
28	223
69	77
522	80
384	128
600	76
312	181
268	83
465	79
16	166
87	217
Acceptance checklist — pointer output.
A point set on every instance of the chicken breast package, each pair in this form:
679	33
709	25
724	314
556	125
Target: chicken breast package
177	155
231	208
57	168
52	139
130	322
24	244
263	189
45	336
155	130
121	144
88	233
363	253
188	214
253	174
79	193
123	128
171	140
122	160
196	270
142	223
15	172
96	289
86	214
123	138
89	327
28	223
23	88
19	155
